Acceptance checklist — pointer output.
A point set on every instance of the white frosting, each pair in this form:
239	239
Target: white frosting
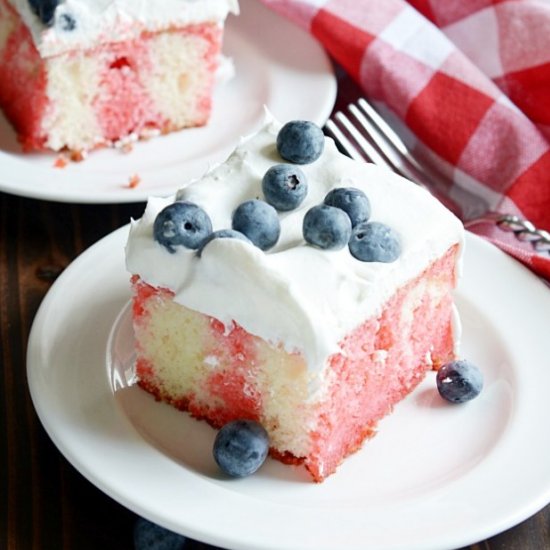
116	20
294	295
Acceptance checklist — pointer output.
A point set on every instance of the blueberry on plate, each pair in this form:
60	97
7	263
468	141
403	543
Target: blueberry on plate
326	227
181	223
258	221
459	381
241	447
284	187
222	234
44	10
374	242
352	201
300	141
150	536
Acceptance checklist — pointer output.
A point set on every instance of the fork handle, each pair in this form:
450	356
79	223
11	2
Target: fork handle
524	230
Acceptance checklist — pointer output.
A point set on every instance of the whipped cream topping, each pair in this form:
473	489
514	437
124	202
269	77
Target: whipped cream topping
293	295
81	24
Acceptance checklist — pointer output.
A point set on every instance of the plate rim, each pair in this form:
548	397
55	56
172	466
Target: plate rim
513	517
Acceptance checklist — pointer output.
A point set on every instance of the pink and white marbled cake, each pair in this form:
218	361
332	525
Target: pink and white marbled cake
85	74
315	345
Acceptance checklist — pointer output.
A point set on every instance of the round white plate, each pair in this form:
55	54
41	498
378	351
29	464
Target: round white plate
276	64
436	476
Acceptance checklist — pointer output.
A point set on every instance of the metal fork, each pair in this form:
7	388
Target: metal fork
365	135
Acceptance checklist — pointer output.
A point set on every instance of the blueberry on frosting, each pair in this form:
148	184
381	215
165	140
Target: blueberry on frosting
284	187
326	227
258	221
352	201
44	10
300	141
223	234
66	22
374	242
182	223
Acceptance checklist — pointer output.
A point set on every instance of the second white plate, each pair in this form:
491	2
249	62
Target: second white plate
277	65
436	476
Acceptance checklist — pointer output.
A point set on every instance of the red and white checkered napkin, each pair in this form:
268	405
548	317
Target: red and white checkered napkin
470	80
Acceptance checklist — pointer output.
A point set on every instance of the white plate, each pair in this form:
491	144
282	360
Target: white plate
436	476
277	65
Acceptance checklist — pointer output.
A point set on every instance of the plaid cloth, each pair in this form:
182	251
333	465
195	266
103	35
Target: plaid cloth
469	81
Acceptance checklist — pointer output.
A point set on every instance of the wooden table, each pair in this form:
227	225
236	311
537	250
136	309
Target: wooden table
45	504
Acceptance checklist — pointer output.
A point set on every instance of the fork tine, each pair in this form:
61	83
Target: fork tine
389	143
342	141
373	132
386	129
389	151
383	152
462	202
364	146
379	149
401	159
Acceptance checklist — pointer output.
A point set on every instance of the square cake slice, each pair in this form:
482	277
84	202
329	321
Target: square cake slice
83	74
313	343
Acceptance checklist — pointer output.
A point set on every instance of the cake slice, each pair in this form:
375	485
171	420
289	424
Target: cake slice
82	74
313	343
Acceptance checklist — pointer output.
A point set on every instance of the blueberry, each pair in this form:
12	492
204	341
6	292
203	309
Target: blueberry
150	536
300	142
259	222
44	10
352	201
459	381
241	447
182	223
222	234
326	227
66	22
284	187
374	242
